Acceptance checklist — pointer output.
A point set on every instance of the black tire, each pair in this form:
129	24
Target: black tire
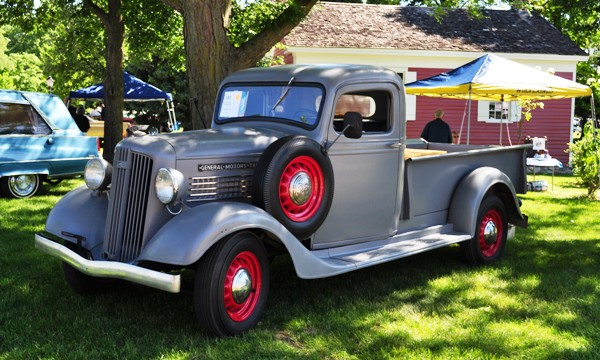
491	230
295	163
220	310
20	186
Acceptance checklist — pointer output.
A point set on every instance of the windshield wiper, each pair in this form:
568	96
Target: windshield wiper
284	94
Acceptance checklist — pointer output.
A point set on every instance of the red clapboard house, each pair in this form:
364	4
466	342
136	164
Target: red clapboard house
412	42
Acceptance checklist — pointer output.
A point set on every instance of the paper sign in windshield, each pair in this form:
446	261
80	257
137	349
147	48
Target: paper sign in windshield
234	104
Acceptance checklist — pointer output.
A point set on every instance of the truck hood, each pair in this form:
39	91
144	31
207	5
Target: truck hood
217	143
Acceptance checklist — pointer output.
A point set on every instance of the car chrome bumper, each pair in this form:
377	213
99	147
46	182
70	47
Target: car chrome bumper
110	269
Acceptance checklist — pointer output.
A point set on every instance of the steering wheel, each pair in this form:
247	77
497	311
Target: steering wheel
306	115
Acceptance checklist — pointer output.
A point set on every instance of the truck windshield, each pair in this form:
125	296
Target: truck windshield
294	103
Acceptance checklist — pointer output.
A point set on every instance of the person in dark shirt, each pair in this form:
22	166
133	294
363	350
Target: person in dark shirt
82	121
437	130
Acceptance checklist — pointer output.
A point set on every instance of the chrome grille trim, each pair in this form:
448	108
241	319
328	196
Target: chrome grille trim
128	202
219	188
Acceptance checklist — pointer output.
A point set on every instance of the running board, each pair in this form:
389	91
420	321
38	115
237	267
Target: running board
394	250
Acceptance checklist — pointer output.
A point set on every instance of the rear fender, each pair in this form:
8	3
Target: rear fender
470	192
81	214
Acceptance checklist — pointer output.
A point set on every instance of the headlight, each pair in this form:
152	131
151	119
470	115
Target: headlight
97	174
169	183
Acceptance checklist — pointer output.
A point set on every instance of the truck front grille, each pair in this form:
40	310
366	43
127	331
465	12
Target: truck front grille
127	206
220	187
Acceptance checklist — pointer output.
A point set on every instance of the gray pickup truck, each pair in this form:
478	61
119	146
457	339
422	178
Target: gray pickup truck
309	161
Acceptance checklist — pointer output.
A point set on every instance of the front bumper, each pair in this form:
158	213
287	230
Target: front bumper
110	269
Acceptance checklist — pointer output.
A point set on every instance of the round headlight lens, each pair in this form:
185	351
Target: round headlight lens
168	184
97	174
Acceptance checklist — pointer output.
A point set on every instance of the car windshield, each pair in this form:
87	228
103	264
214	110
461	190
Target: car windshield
298	104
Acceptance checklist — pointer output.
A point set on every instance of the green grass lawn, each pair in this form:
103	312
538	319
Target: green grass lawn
541	301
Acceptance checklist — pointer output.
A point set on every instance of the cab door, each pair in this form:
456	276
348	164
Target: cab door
366	170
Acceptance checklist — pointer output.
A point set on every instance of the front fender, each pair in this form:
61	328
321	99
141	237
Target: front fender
470	192
187	236
82	213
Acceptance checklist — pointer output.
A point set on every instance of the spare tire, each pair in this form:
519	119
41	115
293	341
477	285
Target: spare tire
293	182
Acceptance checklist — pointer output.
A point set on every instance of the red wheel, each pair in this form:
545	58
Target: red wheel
301	188
293	182
232	281
243	286
490	235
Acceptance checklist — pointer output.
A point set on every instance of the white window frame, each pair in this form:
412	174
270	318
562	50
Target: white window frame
483	112
411	100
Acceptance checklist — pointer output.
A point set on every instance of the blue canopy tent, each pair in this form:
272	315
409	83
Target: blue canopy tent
494	78
135	90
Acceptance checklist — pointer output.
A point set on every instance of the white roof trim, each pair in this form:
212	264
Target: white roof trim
435	53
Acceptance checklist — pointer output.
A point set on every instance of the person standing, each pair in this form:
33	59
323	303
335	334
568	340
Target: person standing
82	121
437	130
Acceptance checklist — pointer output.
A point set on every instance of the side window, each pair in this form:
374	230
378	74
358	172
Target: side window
21	119
374	106
496	112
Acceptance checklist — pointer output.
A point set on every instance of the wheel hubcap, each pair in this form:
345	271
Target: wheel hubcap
241	286
490	233
22	185
300	188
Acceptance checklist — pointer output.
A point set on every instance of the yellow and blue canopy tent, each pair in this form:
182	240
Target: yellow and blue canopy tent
493	78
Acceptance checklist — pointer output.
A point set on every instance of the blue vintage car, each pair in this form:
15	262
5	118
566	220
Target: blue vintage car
39	141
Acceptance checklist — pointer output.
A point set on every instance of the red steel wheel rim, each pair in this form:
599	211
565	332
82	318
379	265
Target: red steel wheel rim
304	211
489	248
248	263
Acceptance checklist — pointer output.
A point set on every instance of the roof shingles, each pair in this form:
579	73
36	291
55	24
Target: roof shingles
344	25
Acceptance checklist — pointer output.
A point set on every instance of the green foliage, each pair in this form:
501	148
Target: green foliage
586	158
20	41
579	21
248	18
589	73
72	50
154	34
27	73
18	70
527	106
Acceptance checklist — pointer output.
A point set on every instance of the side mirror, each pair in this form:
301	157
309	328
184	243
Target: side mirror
353	126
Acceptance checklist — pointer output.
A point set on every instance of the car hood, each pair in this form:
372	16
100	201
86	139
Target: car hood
212	143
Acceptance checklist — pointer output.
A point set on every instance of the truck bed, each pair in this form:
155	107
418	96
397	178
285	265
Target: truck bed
433	170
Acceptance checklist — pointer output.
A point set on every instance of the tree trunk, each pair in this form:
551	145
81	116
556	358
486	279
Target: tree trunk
210	57
114	92
205	38
113	79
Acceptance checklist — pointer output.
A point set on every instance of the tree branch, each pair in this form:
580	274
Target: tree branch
255	48
175	4
103	16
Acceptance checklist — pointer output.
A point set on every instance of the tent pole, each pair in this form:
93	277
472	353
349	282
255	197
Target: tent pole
171	113
469	118
500	140
502	109
595	138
